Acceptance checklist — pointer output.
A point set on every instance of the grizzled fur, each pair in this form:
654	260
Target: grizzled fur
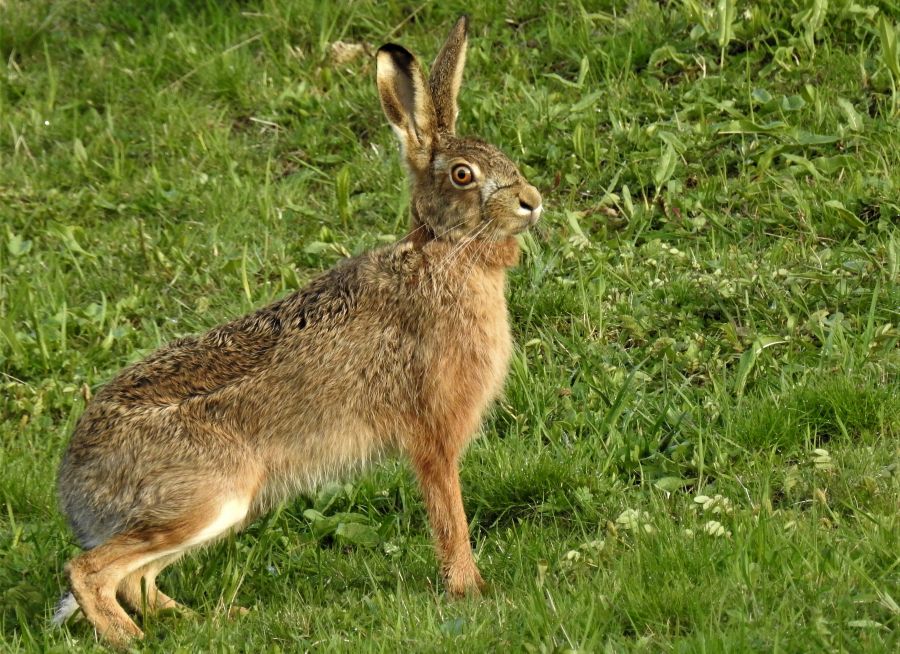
400	349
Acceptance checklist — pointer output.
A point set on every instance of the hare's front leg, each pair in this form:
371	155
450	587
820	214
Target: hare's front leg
436	466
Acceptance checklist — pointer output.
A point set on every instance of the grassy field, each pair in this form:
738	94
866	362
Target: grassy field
698	447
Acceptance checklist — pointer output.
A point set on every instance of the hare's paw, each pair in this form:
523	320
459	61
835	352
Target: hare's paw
120	634
464	580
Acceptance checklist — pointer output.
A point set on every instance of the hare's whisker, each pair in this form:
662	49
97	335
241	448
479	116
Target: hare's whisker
466	241
482	246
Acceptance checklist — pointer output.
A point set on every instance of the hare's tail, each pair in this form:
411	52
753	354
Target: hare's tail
66	607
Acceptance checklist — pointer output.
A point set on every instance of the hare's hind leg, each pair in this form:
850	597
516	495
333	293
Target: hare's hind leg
94	576
97	574
138	591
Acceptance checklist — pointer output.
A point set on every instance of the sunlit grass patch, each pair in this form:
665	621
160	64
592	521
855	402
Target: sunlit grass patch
697	448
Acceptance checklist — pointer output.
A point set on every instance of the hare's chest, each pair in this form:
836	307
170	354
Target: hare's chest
491	351
475	360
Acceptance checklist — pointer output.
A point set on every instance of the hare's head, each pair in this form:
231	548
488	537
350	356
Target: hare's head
461	187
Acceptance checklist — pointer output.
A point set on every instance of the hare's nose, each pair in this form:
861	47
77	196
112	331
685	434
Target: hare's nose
530	202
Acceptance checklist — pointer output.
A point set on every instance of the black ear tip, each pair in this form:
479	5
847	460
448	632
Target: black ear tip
401	56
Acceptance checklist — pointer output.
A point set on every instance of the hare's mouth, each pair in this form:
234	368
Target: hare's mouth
529	213
526	217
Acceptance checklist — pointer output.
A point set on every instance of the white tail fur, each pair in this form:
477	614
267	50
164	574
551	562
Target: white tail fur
67	606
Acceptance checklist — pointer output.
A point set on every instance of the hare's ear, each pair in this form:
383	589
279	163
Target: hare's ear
446	76
406	100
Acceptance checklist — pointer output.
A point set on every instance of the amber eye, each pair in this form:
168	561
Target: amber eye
462	175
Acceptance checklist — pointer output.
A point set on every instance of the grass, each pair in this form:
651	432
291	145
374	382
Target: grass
698	446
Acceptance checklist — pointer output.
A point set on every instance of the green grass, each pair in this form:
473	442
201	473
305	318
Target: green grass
710	308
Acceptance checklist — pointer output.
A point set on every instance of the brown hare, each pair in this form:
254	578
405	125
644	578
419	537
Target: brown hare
398	349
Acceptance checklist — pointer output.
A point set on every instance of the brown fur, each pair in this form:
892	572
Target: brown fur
398	349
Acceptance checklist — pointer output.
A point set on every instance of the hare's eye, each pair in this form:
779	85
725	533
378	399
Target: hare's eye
461	175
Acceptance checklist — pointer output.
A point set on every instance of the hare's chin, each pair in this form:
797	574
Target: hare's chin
529	220
531	215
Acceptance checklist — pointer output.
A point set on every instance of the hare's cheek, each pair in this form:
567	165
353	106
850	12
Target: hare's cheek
500	209
464	205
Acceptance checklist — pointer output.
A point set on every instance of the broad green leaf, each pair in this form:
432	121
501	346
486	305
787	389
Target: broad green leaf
626	199
322	525
326	495
865	624
16	245
355	533
562	80
317	247
587	102
845	214
831	165
452	627
313	516
663	54
583	69
812	21
889	54
803	162
854	120
669	484
578	235
808	138
671	139
725	12
81	155
761	95
66	234
665	166
745	366
792	103
8	330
